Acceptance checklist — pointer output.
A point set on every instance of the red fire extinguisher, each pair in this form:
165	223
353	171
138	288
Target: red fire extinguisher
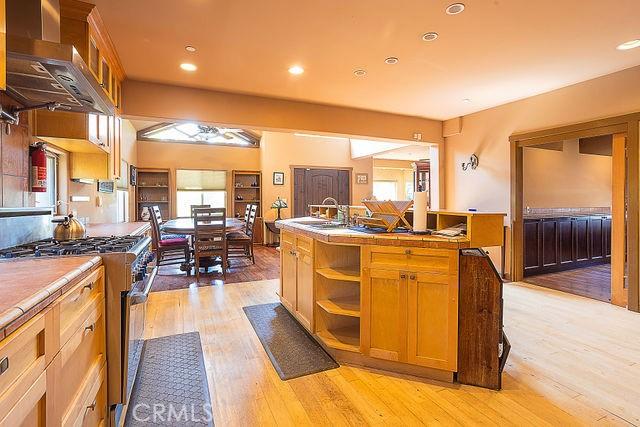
38	169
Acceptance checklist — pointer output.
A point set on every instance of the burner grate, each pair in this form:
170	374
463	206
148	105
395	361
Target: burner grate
90	245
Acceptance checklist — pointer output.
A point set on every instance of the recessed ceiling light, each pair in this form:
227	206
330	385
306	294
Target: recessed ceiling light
190	48
391	60
629	45
360	73
430	36
466	100
454	9
188	67
296	70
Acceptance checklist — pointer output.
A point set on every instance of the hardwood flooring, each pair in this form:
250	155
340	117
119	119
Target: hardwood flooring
574	361
591	282
267	266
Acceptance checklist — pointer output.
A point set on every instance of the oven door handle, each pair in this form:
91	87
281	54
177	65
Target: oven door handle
140	297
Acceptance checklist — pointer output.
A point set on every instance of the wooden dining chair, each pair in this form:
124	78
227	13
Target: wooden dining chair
209	239
193	207
155	210
240	243
168	251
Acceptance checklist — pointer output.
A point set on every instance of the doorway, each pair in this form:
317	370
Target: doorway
569	189
312	185
624	211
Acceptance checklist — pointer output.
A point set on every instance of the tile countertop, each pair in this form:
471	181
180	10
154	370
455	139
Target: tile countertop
28	285
117	229
567	215
349	236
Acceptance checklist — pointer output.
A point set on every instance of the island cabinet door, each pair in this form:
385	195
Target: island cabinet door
433	320
288	276
304	272
383	326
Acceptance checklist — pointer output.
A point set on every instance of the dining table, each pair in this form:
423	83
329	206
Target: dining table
186	225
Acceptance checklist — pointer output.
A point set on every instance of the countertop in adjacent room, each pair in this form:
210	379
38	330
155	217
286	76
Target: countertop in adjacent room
29	285
118	229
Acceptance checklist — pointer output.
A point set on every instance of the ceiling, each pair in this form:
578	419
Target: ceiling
494	52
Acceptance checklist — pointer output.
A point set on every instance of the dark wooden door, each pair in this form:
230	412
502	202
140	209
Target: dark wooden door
581	233
532	231
549	243
596	228
312	186
565	241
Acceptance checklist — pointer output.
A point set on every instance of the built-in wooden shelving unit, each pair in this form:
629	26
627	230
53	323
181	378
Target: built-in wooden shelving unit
153	189
246	190
337	295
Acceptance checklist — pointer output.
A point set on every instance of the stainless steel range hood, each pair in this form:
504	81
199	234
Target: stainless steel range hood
40	69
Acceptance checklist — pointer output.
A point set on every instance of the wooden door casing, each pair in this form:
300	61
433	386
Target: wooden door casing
383	317
312	186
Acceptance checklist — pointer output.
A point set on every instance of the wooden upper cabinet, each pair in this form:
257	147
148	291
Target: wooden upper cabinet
82	26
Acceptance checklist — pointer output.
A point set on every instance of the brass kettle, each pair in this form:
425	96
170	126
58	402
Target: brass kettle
68	228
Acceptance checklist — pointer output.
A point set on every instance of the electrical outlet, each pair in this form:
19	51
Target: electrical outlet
417	136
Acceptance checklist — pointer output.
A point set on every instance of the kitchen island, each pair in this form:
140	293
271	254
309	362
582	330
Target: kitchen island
391	300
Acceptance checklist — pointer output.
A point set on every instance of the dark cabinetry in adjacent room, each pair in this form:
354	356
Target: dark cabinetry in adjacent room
562	243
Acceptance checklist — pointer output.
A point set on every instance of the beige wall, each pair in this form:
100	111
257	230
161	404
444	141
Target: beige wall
280	151
102	207
174	156
486	133
557	179
166	103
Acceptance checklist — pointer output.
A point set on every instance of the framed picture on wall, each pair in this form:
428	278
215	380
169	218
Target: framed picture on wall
278	178
362	178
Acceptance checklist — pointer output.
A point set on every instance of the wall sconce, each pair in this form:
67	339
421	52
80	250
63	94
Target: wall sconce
473	163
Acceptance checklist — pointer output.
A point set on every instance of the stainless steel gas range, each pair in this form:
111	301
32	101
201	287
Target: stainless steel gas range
129	277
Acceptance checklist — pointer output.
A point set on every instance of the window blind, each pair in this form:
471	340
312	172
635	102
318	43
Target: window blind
200	180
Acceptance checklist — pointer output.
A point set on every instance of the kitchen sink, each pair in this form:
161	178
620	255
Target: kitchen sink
327	225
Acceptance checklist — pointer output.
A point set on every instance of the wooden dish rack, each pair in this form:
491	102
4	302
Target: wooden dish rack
387	214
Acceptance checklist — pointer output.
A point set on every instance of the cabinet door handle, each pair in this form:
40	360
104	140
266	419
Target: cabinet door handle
412	277
407	251
403	276
89	286
4	365
92	407
91	327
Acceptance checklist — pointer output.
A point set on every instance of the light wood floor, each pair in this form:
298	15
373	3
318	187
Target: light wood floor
575	361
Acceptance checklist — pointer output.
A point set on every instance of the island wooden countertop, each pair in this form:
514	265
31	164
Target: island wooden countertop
118	229
29	285
355	237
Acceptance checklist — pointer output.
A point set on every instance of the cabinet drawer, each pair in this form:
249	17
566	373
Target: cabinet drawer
29	409
287	237
85	348
411	259
73	304
304	244
89	406
23	354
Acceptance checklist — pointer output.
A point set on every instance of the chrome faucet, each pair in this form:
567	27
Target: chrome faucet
344	210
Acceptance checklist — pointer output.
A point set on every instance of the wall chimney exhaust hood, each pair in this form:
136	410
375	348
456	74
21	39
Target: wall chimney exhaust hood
41	70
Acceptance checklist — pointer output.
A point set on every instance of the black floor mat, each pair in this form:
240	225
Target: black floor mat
171	386
292	351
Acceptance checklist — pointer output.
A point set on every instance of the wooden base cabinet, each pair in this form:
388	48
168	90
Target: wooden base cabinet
56	361
296	277
410	315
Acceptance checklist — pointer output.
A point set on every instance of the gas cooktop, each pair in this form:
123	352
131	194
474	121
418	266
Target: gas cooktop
89	245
